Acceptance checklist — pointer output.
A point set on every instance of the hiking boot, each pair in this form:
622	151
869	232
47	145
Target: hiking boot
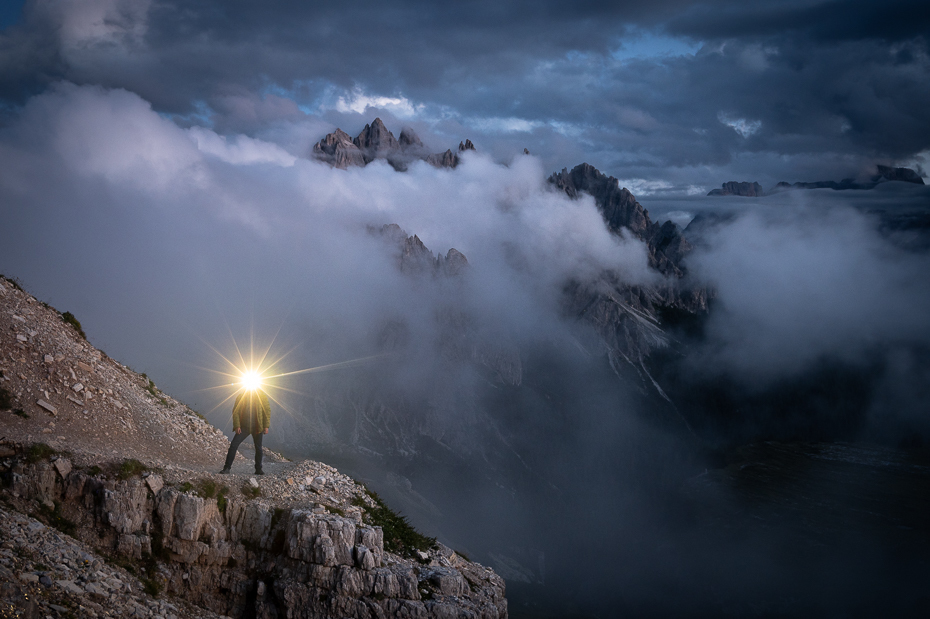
225	471
259	472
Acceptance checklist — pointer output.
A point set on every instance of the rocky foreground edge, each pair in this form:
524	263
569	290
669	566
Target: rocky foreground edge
99	534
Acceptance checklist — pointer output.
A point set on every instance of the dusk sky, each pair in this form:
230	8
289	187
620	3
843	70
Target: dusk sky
668	96
156	176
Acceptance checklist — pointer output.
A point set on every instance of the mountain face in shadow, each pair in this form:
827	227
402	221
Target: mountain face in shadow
883	174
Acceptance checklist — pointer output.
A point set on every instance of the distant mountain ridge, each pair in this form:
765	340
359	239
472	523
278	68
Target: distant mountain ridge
376	142
884	174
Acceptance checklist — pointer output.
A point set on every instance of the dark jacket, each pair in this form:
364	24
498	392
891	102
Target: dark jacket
252	412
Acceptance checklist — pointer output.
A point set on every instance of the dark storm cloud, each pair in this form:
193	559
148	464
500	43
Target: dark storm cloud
688	92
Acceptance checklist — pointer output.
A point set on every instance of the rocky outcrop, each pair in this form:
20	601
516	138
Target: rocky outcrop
447	159
667	246
904	175
413	257
457	338
883	174
242	557
339	150
376	142
734	188
626	317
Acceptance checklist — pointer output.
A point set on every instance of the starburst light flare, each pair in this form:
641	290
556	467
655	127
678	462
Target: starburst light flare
251	380
259	368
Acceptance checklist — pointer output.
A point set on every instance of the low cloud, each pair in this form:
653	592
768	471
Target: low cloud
801	282
254	222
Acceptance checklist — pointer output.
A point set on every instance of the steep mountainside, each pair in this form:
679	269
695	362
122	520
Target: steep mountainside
628	317
97	451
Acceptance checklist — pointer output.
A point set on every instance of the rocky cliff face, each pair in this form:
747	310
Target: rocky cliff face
626	317
667	246
130	473
375	141
251	557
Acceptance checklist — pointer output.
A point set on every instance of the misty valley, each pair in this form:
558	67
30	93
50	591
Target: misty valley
544	310
657	443
685	406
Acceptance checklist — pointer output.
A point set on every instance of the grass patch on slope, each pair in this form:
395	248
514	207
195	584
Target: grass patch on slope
399	536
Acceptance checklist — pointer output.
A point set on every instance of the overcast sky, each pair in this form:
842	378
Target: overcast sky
155	176
669	96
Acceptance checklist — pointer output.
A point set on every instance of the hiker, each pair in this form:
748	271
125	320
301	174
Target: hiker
251	411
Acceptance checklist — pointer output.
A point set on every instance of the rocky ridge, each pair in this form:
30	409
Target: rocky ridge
734	188
96	450
883	174
375	141
626	316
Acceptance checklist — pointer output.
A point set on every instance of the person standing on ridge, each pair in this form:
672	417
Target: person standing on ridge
251	411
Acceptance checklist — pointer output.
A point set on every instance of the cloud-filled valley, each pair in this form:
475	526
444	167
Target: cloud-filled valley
560	403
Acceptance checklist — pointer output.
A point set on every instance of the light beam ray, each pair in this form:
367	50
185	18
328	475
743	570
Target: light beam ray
330	366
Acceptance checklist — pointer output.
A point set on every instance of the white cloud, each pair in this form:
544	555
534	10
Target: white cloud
359	102
742	126
498	124
645	187
240	149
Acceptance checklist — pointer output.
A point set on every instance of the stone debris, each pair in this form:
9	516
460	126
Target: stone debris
50	408
85	367
62	465
154	483
45	573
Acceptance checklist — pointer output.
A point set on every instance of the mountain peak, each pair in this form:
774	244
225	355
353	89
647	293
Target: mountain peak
376	142
408	137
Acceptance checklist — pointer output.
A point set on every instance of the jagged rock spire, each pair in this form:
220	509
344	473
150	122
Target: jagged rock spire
376	142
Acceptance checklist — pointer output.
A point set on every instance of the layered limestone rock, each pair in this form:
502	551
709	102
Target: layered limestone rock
339	150
376	142
241	557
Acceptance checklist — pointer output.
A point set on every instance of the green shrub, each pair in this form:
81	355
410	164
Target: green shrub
130	468
14	281
336	510
20	413
208	489
151	587
69	318
39	451
251	492
6	399
399	536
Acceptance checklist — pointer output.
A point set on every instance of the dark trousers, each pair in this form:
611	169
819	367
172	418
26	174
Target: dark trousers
234	445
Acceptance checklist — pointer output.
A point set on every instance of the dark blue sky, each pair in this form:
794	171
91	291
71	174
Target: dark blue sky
11	12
